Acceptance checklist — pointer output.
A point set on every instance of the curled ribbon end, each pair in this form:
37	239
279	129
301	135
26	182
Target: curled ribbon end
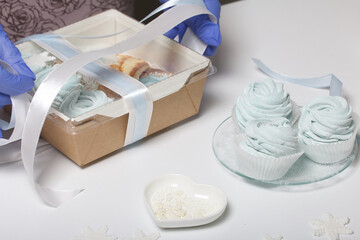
328	81
335	86
256	61
55	198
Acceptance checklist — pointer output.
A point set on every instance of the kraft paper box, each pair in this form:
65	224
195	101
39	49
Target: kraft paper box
101	131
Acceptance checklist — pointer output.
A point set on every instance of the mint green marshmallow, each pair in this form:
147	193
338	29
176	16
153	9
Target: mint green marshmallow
272	137
326	119
265	99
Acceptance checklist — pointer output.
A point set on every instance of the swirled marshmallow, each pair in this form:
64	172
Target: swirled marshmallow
79	102
326	119
265	99
273	137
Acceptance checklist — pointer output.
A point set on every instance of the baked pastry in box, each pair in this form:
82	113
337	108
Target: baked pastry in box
100	131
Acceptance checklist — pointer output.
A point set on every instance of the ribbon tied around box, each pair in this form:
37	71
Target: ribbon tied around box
28	118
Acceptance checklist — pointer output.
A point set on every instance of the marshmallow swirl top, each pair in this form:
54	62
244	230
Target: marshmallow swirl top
79	102
273	138
265	99
326	119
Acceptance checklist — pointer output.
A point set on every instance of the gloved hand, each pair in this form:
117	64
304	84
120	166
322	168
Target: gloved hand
201	25
11	84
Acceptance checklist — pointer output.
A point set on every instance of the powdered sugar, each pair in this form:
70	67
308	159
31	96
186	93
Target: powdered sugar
175	203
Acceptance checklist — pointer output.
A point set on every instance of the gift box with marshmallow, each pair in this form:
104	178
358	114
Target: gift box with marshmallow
89	118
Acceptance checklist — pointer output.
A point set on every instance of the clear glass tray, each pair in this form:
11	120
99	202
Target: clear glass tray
304	171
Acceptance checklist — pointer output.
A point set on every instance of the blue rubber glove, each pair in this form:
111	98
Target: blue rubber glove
10	84
201	25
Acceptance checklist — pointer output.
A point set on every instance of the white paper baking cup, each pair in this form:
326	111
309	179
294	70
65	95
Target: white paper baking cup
263	168
238	129
328	153
296	112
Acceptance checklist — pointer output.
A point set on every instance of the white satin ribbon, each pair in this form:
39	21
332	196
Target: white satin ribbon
20	105
189	40
11	152
48	90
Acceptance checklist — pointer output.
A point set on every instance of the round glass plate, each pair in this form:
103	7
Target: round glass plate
304	171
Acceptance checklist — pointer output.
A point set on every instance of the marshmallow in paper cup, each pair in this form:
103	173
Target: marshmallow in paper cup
264	100
267	149
327	129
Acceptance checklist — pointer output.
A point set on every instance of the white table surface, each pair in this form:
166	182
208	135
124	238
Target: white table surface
302	38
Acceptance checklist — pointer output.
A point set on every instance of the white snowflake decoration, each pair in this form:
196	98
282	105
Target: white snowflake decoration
331	227
140	235
268	237
99	234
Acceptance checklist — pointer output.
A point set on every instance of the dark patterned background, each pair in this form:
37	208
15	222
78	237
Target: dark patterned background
144	7
21	18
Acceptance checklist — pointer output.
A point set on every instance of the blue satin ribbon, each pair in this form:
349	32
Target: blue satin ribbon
329	81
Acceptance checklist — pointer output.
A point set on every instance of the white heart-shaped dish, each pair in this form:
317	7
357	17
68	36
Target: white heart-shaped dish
200	195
